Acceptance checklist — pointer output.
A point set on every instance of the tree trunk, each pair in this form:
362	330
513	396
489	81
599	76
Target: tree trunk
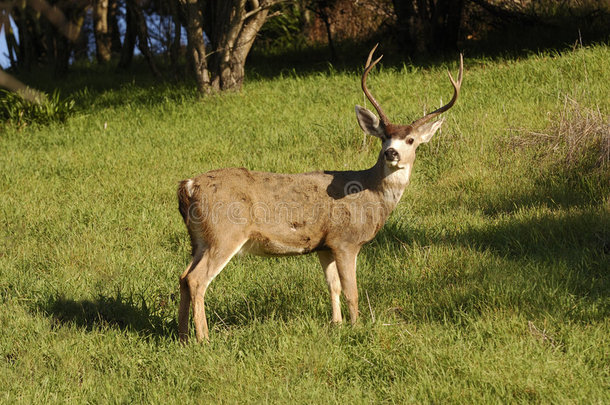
64	45
129	42
80	46
196	46
224	33
428	26
232	34
142	32
231	26
244	42
27	55
103	41
446	23
113	26
174	49
63	50
46	33
324	13
136	28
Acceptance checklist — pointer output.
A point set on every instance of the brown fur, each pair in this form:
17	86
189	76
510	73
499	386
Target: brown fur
184	201
231	210
332	213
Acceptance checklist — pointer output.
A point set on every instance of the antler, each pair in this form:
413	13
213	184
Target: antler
367	69
456	92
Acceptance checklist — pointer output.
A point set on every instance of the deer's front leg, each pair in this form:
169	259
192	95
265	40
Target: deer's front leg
329	266
345	260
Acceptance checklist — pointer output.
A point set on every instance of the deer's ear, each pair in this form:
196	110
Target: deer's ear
425	132
369	122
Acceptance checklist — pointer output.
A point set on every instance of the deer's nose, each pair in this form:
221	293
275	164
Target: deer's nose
391	154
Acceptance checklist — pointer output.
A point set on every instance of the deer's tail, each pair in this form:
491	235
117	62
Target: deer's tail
185	194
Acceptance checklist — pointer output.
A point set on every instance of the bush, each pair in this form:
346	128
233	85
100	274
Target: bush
576	145
14	109
577	137
581	137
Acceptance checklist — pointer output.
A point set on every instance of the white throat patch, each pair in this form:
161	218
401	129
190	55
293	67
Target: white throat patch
399	176
396	180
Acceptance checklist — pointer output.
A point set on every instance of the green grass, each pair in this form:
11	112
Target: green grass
41	108
489	283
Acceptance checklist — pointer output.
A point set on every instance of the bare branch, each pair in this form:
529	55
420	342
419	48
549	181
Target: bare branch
10	83
260	8
56	17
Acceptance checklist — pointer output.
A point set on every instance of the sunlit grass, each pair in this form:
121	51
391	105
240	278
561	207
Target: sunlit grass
489	282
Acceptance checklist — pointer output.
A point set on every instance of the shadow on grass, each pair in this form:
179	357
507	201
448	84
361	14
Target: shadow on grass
110	312
260	308
536	262
259	303
281	293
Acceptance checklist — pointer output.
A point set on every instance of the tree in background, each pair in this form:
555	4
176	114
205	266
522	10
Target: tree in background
47	32
427	26
340	21
231	27
220	33
103	40
106	29
323	10
136	29
9	35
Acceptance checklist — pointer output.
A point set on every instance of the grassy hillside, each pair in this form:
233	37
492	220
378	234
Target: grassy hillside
490	282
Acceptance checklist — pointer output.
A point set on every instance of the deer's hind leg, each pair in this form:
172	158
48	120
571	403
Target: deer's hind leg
199	278
185	297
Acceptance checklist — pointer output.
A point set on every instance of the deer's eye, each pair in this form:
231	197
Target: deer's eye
410	141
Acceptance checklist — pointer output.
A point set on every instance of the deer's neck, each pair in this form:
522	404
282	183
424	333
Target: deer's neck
391	182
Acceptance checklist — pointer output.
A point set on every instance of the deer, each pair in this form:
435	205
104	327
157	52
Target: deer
332	213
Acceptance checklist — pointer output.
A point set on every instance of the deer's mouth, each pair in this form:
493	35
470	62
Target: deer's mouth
393	163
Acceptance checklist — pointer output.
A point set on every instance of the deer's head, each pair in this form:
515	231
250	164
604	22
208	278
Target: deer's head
401	141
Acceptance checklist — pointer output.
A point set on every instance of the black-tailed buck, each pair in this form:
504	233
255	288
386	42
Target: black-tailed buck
332	213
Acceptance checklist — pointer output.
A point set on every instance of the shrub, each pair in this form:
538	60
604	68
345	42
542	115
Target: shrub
577	141
15	109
